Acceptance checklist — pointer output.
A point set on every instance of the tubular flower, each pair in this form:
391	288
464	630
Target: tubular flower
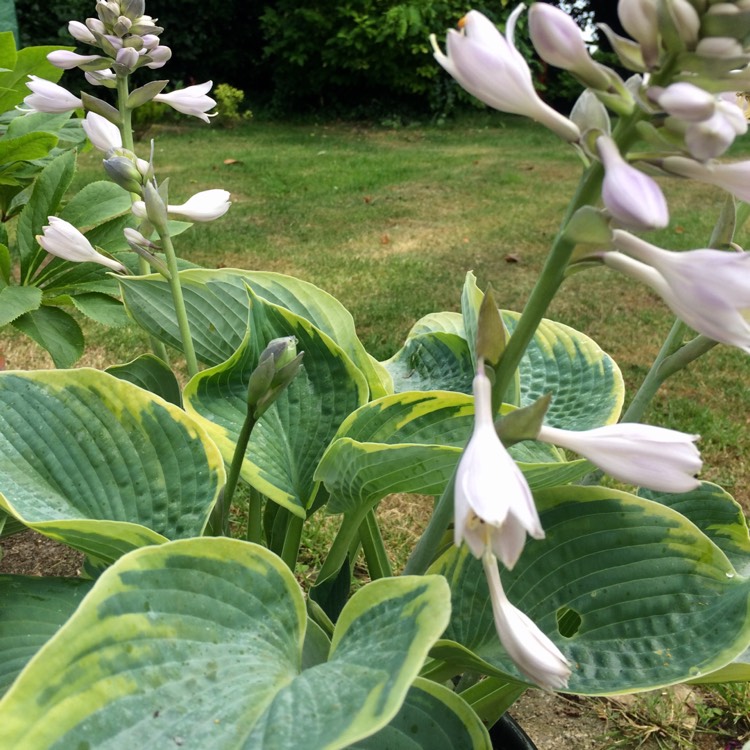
487	65
192	100
707	289
204	206
734	177
494	507
646	456
536	657
101	132
632	197
49	97
559	42
62	239
67	60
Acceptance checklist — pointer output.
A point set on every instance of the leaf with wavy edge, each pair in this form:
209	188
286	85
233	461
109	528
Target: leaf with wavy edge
644	599
101	464
216	663
288	441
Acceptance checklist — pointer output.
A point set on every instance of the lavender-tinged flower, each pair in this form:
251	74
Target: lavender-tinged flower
159	57
101	132
494	507
633	198
559	41
81	33
192	100
67	60
536	657
686	101
106	78
640	19
646	456
719	47
204	206
707	289
127	57
62	239
49	97
734	177
488	65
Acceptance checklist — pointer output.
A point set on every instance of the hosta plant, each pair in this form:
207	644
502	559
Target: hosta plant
636	572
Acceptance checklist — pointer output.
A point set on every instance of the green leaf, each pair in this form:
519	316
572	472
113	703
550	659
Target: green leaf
95	204
5	265
38	122
717	514
29	61
102	308
216	663
55	331
288	441
8	53
632	593
218	308
26	147
152	374
33	610
431	718
18	300
101	465
411	442
586	384
48	191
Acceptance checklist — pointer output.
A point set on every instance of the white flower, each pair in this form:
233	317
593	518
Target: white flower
49	97
640	19
643	455
536	657
686	101
707	289
62	239
633	198
488	65
493	504
204	206
80	32
159	57
559	41
734	177
67	60
101	132
192	100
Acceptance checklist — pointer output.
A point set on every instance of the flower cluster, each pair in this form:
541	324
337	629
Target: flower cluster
681	111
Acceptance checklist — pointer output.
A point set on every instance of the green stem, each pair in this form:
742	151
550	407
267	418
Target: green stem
179	304
292	539
339	549
255	517
424	552
378	564
219	522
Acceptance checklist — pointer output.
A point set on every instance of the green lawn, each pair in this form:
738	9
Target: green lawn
389	221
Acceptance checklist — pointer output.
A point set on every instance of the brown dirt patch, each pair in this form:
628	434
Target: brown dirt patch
32	554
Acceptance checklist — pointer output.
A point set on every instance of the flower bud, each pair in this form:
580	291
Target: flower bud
49	97
684	100
62	239
159	56
710	138
103	134
632	198
79	32
278	365
686	21
122	26
95	26
127	57
204	206
123	172
640	18
108	12
156	210
719	47
67	60
559	41
133	9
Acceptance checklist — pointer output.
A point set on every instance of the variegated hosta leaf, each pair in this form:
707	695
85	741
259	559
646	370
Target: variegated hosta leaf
431	718
288	441
631	591
152	374
411	442
33	610
100	464
199	643
217	306
717	514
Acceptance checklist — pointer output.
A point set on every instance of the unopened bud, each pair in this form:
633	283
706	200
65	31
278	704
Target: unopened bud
133	9
278	365
684	100
123	172
108	11
80	33
156	209
640	18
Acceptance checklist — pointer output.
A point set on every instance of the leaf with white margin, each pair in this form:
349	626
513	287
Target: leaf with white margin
100	464
217	305
289	439
199	642
631	592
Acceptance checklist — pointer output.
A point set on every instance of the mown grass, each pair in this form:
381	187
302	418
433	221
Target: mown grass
389	221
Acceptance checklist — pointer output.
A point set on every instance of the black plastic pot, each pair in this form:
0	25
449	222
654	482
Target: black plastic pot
508	735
